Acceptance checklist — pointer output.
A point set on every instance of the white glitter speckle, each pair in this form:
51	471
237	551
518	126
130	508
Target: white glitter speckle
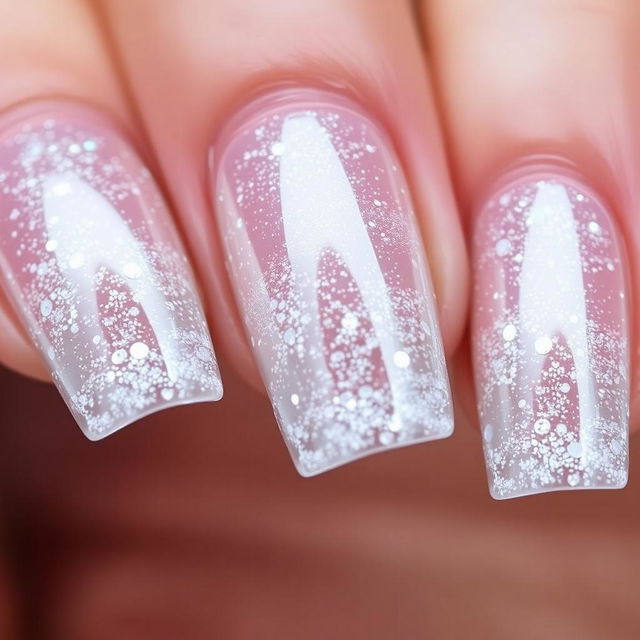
543	345
14	215
277	148
574	449
139	350
377	203
487	433
46	306
167	394
594	228
509	332
89	145
542	426
616	447
119	356
289	336
565	387
503	247
386	438
51	245
401	359
350	321
295	399
573	479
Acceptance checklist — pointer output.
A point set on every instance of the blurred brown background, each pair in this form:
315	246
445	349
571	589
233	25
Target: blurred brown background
193	524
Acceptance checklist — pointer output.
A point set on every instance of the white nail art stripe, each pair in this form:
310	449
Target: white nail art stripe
88	234
552	294
320	212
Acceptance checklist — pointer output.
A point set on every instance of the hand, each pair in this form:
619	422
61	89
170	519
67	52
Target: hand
193	523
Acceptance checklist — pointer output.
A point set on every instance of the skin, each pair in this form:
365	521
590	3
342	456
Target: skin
193	523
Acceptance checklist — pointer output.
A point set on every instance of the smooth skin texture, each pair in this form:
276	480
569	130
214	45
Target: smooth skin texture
193	523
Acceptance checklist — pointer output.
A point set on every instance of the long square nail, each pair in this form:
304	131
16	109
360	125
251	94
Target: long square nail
329	273
93	265
550	337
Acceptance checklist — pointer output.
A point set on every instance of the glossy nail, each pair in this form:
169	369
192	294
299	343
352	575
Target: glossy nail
93	265
328	270
550	337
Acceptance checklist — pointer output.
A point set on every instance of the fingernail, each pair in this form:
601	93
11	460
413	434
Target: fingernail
93	265
550	337
328	270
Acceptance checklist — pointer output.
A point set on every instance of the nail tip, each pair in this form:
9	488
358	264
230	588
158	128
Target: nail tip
214	394
310	471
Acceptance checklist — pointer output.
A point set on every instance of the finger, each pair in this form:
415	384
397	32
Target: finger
91	263
288	221
540	110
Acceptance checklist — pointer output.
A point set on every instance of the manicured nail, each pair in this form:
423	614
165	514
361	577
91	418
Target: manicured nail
328	270
93	265
550	338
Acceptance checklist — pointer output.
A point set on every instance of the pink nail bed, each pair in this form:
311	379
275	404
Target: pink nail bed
328	270
550	337
93	265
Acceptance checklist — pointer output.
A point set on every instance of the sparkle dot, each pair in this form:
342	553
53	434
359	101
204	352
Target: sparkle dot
565	387
351	404
61	189
616	447
132	270
51	245
277	148
74	148
561	428
119	356
542	426
370	148
96	339
139	350
573	479
289	336
401	359
522	403
46	306
505	199
14	215
377	203
487	433
503	247
395	424
295	399
89	145
166	394
543	345
594	228
610	266
350	321
76	260
110	376
509	332
386	438
574	449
